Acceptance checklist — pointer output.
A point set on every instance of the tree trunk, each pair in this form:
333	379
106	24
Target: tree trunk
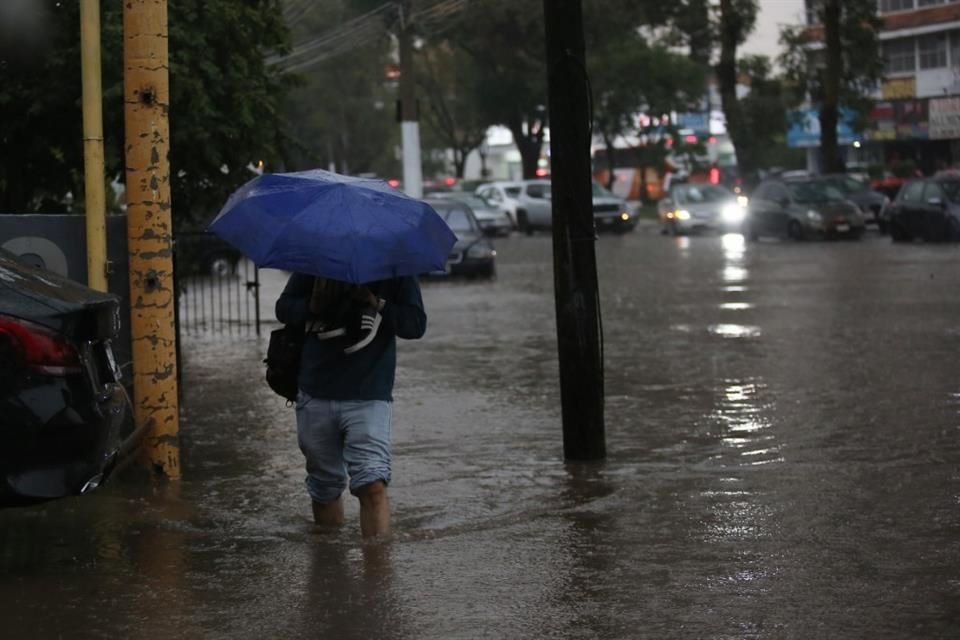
832	77
529	145
459	161
730	28
611	160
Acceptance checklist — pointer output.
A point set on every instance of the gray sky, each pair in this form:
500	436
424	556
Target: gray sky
773	13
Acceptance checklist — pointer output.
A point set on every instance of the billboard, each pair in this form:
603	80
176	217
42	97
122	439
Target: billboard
803	127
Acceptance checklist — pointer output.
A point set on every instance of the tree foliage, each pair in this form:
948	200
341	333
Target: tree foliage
843	72
224	104
343	113
736	21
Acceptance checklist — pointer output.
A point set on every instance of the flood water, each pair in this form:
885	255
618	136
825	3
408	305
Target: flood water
782	425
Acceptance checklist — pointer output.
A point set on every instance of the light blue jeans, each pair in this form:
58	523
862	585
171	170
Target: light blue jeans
343	439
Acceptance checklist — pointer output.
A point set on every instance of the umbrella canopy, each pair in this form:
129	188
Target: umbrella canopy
326	224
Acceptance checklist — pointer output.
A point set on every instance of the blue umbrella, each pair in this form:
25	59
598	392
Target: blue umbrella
325	224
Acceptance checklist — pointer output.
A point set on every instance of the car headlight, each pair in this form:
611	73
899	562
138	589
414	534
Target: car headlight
681	214
481	251
743	201
732	213
814	216
625	215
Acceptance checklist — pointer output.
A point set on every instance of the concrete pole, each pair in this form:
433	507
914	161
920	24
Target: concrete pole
149	231
409	125
94	197
574	258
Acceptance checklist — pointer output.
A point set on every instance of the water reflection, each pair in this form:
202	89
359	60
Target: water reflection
727	330
733	245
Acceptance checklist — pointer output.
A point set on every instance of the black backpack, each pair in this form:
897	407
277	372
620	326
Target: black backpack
283	361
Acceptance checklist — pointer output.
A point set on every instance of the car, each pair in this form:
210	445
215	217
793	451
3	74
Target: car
926	208
66	424
492	220
802	208
204	254
502	194
700	207
534	207
611	212
473	254
871	202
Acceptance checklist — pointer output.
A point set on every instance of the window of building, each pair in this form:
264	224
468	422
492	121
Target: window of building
930	3
932	51
886	6
900	55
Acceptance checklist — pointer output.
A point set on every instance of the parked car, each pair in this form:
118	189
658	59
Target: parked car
473	254
611	212
203	253
502	194
700	207
492	220
871	202
802	208
64	424
534	207
928	209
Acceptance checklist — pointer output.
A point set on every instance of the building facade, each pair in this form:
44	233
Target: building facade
915	121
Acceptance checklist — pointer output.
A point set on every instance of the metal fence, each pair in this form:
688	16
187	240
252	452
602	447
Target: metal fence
218	290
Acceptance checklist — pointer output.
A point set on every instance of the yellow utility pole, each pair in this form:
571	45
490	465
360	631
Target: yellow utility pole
93	145
146	91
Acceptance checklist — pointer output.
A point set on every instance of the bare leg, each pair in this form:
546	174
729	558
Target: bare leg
328	514
374	510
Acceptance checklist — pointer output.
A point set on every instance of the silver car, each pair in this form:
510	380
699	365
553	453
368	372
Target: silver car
493	221
701	207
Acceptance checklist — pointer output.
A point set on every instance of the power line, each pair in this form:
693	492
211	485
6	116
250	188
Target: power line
366	29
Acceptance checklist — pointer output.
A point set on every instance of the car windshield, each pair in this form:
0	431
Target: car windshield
599	191
512	192
472	201
700	193
814	192
847	184
458	219
952	189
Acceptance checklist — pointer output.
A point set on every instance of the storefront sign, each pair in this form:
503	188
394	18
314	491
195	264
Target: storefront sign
898	120
804	128
944	118
899	88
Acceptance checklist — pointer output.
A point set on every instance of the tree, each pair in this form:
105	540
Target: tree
513	78
630	77
342	114
224	105
447	80
737	18
845	73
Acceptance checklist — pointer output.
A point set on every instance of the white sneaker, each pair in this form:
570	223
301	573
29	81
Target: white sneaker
369	323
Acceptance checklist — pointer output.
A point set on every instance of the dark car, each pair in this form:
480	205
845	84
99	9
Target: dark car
928	209
64	424
801	208
492	219
871	202
204	254
473	254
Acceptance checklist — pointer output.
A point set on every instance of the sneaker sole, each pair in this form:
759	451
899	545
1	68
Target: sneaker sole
366	339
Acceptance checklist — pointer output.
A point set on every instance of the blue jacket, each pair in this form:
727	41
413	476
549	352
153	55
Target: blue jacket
368	374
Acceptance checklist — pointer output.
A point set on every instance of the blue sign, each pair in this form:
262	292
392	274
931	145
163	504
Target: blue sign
804	127
699	122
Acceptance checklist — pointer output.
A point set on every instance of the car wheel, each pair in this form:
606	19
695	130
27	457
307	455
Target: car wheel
221	267
795	230
953	228
673	229
881	227
897	234
523	224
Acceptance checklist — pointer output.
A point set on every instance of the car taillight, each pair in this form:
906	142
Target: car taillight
39	348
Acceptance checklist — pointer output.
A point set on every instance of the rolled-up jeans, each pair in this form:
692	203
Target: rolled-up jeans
343	439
